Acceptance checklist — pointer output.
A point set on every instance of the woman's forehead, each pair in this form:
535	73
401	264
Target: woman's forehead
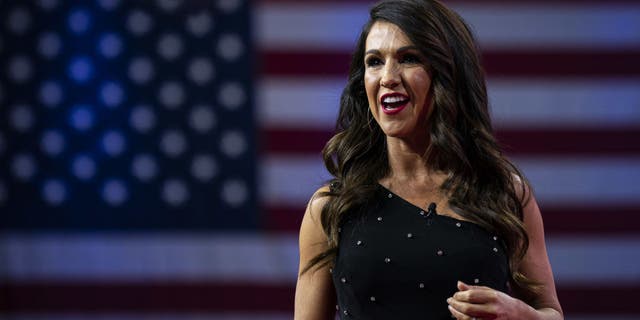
385	35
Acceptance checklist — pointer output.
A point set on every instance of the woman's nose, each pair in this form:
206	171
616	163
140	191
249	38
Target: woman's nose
390	76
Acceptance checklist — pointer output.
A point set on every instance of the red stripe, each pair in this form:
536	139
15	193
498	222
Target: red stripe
93	298
553	142
575	220
284	219
605	299
144	297
529	62
590	220
305	63
565	63
502	2
294	141
571	141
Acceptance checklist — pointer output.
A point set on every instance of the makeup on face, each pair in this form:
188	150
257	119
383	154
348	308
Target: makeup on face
393	103
396	81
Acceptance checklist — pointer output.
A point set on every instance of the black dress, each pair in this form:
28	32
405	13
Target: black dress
398	261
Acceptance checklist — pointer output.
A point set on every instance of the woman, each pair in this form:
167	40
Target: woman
424	218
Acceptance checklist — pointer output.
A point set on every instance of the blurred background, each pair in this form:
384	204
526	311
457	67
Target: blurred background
156	157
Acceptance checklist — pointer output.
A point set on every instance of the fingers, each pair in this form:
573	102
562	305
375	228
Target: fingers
463	310
477	295
463	286
473	301
464	307
459	315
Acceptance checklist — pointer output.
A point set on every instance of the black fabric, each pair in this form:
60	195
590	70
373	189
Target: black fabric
395	263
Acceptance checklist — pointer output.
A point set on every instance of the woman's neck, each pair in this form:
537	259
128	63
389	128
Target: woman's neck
407	162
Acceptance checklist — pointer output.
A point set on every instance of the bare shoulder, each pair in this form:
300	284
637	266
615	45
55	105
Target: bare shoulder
317	202
315	295
313	239
522	187
531	214
535	264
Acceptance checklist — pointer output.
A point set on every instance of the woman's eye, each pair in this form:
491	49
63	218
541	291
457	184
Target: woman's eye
410	58
372	62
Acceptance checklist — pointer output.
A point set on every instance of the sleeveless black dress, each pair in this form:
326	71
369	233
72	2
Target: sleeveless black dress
398	261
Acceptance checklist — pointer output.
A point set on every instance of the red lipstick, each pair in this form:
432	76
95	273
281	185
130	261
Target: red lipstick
393	103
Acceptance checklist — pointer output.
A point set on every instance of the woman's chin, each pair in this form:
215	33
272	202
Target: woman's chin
395	132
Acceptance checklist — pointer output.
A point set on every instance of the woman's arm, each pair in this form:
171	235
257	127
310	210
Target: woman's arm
315	295
483	302
535	266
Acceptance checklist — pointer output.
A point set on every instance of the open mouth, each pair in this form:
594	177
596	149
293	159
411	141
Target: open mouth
393	102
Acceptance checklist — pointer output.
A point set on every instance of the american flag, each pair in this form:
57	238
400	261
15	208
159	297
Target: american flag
157	156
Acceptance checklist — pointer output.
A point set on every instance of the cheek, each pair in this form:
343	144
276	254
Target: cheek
422	86
371	84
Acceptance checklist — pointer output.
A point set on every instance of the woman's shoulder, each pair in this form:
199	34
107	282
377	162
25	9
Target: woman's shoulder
318	201
522	188
312	237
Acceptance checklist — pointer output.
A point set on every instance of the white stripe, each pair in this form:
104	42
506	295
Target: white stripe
289	25
576	260
559	103
337	26
557	25
287	102
134	257
585	181
549	103
253	259
291	179
557	180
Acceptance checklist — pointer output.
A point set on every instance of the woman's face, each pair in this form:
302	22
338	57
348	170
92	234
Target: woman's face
397	82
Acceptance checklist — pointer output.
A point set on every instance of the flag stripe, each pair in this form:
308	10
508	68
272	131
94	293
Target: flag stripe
496	25
569	141
454	2
561	142
232	316
151	315
166	296
96	298
589	181
138	257
534	62
558	220
264	260
515	102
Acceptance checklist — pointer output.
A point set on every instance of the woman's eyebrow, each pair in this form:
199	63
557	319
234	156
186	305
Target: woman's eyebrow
401	49
406	48
373	51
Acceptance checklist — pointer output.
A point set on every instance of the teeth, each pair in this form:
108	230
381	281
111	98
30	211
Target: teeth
393	99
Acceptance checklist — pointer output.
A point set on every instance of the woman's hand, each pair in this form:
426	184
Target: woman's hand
478	302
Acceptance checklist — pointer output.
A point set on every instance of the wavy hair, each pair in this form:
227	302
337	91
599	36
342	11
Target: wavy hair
482	184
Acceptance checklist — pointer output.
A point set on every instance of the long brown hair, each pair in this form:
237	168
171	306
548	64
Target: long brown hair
481	183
